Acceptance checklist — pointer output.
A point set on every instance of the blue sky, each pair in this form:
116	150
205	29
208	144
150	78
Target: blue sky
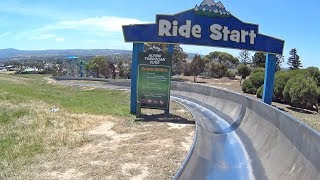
70	24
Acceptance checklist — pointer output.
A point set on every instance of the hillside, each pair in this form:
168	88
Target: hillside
6	54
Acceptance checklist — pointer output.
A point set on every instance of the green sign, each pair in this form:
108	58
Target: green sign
154	80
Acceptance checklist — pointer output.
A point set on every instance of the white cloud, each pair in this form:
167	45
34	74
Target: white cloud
48	37
59	39
92	41
97	25
3	35
44	36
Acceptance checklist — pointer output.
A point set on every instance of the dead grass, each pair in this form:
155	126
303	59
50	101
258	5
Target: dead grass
118	149
37	130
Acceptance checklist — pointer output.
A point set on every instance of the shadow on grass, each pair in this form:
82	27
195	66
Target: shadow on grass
300	110
164	119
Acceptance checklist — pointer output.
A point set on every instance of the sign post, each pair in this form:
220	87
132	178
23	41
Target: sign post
269	78
137	48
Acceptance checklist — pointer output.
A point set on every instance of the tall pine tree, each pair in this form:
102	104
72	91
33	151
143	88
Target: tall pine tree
244	57
197	66
294	59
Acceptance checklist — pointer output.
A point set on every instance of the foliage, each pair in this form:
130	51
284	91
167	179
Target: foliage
243	71
187	69
259	60
294	60
178	68
244	57
301	91
124	69
223	58
178	54
230	74
281	80
216	70
248	87
260	92
256	70
100	66
257	79
314	72
280	60
197	66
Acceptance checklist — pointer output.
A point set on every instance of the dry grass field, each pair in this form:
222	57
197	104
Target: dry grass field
50	131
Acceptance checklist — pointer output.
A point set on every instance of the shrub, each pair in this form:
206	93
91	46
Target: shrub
302	92
248	87
260	92
243	71
230	74
314	73
216	70
281	80
257	79
257	70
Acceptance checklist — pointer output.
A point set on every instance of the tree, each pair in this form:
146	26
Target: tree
243	71
314	73
244	57
110	71
280	60
97	65
124	69
223	58
215	70
178	59
197	66
294	59
259	60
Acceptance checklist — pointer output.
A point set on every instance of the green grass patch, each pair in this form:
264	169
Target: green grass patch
97	101
8	115
27	127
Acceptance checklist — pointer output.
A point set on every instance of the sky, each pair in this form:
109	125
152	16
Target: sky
96	24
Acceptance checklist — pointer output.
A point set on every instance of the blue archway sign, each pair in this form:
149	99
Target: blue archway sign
207	24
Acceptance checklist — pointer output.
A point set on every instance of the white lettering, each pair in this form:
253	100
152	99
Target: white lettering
175	28
244	35
235	36
164	28
216	34
196	31
252	35
226	33
184	30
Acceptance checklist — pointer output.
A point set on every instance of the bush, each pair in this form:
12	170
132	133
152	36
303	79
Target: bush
260	92
243	71
302	92
257	70
216	70
257	79
230	74
314	73
248	87
281	80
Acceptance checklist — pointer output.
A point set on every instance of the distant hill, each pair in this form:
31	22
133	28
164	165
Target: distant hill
11	53
15	53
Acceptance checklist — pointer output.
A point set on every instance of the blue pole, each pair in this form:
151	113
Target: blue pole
137	48
170	48
269	78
